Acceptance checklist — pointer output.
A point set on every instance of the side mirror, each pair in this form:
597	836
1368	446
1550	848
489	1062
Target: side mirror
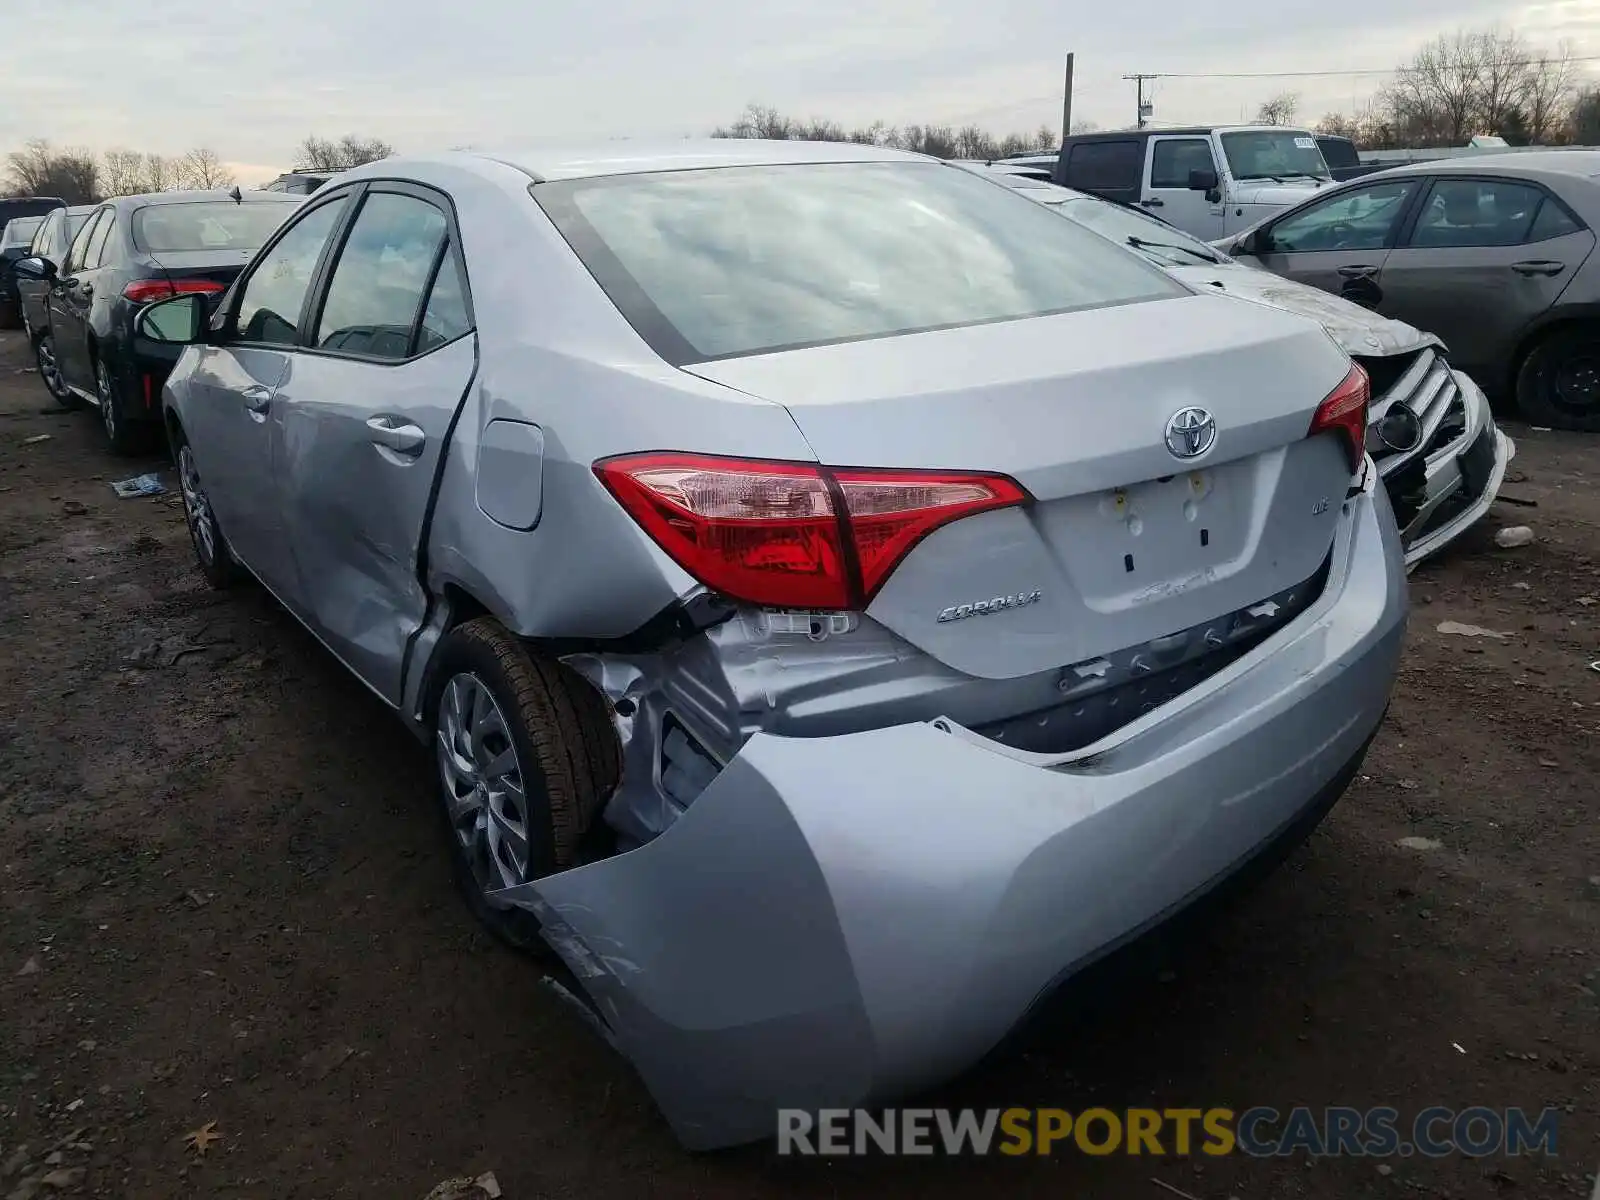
35	268
1255	243
1203	181
175	322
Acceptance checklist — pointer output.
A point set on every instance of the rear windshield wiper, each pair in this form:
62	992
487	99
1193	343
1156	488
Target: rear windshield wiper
1145	244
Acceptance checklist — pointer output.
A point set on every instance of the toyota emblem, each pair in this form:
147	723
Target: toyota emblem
1191	432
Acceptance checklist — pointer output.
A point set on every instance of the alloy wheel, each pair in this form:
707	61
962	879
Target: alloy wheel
485	797
49	370
108	404
196	508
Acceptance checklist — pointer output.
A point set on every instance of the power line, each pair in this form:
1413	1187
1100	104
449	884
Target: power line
1531	62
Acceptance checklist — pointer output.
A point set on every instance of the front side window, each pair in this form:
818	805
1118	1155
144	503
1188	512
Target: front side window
207	225
384	269
1173	158
1362	218
1477	212
746	260
1280	154
42	236
269	307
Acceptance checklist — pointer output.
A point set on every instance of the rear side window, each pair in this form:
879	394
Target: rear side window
1553	221
446	317
80	244
95	256
269	307
383	271
207	225
1103	166
744	260
1477	212
42	235
20	230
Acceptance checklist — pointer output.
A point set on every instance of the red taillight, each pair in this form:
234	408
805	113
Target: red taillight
1345	410
792	535
143	291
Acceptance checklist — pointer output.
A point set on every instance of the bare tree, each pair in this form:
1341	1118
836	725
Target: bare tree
1548	96
1500	62
941	141
38	169
1084	126
320	154
1586	118
1339	125
1434	98
202	170
122	173
161	174
1280	110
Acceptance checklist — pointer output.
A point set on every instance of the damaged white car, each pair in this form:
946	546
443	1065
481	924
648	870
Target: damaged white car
842	598
1432	434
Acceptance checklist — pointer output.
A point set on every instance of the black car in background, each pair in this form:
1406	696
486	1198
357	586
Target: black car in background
15	237
50	240
131	251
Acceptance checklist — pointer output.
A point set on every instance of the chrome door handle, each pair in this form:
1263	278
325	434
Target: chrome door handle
257	398
1358	272
400	436
1539	267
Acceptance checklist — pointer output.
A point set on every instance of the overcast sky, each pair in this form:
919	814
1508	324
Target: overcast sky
252	80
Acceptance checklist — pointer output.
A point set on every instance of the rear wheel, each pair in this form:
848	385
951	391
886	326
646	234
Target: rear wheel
44	353
526	757
1559	383
210	548
124	436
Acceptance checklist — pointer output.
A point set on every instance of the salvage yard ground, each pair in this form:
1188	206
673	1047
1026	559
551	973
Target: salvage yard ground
224	898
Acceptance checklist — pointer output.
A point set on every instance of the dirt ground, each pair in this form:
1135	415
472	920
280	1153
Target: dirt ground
223	898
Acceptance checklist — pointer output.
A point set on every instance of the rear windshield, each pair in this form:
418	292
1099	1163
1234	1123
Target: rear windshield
207	225
734	261
19	230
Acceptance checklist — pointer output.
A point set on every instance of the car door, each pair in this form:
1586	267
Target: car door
69	308
365	414
1338	243
1473	239
230	415
1166	185
32	294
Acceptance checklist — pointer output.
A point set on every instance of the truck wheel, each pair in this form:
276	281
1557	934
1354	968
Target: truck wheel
526	757
1559	383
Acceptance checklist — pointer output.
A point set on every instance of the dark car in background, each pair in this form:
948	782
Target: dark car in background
50	241
131	251
15	237
1343	159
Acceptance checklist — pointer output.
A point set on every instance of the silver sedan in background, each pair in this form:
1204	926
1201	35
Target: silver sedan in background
1494	253
842	598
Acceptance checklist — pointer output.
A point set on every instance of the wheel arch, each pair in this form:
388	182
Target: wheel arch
1579	316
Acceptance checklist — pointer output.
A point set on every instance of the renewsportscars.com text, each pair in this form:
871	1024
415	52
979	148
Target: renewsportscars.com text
1258	1132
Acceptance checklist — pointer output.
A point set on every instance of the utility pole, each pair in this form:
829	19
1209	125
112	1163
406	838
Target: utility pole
1139	81
1066	101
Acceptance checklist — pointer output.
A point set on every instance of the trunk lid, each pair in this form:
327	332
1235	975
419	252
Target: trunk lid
220	266
1126	542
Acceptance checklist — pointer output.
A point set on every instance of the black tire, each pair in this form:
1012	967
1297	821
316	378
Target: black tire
44	355
124	436
567	753
1559	383
211	554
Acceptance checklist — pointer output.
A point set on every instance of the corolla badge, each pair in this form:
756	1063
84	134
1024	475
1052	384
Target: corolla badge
981	608
1191	432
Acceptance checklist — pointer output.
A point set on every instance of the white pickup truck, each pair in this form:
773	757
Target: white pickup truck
1209	181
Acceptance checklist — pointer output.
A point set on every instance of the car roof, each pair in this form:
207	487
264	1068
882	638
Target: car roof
590	160
1533	163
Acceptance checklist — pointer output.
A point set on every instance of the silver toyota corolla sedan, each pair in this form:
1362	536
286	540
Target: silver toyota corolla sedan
844	599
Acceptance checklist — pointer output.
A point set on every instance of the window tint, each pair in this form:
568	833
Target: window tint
1102	165
208	225
95	256
743	260
1477	212
269	308
445	318
1173	159
382	271
1360	219
80	244
1553	221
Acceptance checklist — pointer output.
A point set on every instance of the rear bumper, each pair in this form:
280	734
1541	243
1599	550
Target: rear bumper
841	920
